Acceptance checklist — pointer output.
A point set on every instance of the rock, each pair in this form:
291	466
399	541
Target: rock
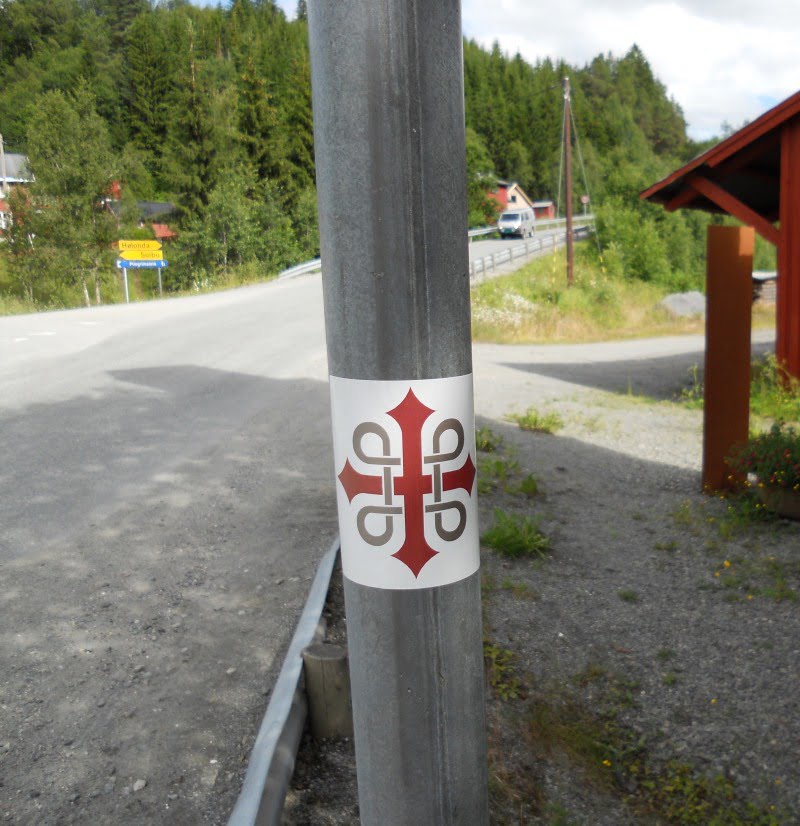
685	305
139	785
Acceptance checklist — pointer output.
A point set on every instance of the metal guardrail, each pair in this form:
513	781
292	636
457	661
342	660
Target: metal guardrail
272	759
481	266
301	269
584	222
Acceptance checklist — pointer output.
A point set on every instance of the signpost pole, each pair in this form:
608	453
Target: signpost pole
389	135
125	279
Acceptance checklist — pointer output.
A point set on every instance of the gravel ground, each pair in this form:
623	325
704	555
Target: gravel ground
652	654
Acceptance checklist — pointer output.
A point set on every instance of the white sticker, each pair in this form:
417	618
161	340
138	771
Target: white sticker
405	486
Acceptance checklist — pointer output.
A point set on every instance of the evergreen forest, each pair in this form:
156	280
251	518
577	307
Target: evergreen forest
209	109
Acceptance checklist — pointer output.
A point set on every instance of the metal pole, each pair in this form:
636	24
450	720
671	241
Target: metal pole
388	101
3	174
568	197
125	280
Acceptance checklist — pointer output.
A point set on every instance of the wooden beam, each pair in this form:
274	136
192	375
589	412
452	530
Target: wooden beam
733	206
682	199
726	394
787	345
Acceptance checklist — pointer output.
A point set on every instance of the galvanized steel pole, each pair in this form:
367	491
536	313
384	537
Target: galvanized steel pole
389	134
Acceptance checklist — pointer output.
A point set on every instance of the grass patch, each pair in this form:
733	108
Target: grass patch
742	576
534	305
501	671
537	422
495	472
626	595
617	758
745	578
671	545
520	590
487	441
529	486
774	396
516	536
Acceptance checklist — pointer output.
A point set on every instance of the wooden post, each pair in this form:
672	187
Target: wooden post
568	198
787	347
729	296
328	689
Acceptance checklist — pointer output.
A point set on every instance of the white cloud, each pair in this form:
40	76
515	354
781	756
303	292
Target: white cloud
722	60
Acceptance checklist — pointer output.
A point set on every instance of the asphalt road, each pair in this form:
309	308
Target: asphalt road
166	490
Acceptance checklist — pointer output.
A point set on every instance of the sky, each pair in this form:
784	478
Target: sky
721	60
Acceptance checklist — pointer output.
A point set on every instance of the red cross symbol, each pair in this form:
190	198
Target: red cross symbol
413	484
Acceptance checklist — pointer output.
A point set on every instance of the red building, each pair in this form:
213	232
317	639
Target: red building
510	195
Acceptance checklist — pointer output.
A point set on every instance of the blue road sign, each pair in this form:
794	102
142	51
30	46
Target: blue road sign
140	265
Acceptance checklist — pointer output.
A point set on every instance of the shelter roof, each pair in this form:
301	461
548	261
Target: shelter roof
744	170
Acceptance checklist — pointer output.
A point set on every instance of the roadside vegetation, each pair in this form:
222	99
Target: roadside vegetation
207	110
534	305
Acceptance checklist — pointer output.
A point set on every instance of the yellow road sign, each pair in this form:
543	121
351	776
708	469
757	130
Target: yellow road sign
141	255
139	246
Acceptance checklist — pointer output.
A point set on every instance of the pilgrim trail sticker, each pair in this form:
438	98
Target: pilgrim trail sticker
406	493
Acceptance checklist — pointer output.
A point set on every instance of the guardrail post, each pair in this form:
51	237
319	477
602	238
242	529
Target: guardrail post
388	104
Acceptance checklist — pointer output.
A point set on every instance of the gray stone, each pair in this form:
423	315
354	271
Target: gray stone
685	305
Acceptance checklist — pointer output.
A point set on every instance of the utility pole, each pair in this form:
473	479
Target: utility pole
3	174
568	198
388	100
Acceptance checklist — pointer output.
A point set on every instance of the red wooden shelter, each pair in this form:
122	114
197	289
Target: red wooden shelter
754	175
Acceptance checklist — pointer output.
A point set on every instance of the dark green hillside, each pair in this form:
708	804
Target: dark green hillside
210	109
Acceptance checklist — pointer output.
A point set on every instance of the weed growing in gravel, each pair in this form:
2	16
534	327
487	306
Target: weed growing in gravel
774	396
617	757
487	441
516	536
665	654
529	486
626	595
501	671
692	396
758	576
742	576
671	545
683	514
521	590
494	472
537	422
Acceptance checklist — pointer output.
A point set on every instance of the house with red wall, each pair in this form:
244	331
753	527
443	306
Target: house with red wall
510	195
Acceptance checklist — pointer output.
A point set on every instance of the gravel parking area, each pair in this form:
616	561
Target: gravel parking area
645	669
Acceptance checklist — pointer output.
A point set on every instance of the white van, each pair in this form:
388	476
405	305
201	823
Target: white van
516	222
